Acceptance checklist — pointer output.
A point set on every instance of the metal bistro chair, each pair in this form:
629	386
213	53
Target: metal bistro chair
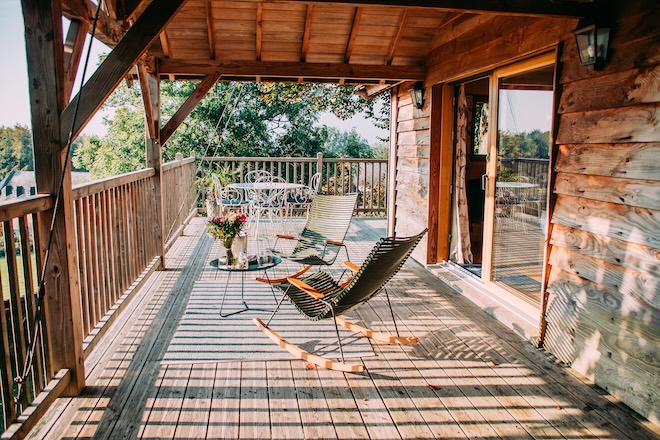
318	296
302	198
228	198
322	238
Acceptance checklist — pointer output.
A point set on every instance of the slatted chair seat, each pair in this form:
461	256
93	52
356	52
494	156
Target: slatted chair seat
319	296
322	238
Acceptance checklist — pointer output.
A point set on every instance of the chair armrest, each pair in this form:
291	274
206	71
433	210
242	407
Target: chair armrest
334	243
305	288
351	266
286	237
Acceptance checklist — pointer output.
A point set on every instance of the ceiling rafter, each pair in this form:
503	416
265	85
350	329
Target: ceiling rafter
397	37
116	65
73	49
292	69
259	30
108	30
354	31
536	8
306	34
209	29
111	8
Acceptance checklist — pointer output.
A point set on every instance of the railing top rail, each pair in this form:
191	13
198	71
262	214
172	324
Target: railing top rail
256	159
178	163
98	186
288	159
29	205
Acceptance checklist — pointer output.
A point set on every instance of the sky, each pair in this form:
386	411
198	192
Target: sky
15	107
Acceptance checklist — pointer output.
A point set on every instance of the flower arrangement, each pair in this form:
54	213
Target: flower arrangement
226	226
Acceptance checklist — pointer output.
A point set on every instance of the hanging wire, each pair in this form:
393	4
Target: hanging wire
208	146
29	357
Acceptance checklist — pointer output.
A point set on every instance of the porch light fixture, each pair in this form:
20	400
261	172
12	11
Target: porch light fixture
592	43
417	95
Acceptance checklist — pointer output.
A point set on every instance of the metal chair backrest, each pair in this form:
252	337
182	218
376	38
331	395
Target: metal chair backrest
329	219
256	175
384	261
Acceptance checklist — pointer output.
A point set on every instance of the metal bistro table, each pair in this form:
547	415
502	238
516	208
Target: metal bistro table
253	267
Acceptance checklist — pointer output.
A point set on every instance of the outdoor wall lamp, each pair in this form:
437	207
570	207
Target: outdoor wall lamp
592	43
417	94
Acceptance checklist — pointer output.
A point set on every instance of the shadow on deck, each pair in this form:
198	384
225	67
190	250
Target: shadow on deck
468	378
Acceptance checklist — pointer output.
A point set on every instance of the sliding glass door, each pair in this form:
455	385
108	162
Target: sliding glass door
517	176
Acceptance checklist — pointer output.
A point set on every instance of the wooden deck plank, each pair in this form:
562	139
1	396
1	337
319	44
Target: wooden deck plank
342	406
254	415
225	403
285	421
194	417
468	378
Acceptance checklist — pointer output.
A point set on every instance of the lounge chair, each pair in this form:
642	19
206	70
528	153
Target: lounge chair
322	238
319	296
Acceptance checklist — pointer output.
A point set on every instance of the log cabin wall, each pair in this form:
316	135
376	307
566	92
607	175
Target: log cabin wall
604	303
412	181
604	284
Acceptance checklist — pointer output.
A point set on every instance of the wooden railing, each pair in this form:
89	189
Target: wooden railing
179	195
535	170
116	239
20	267
368	177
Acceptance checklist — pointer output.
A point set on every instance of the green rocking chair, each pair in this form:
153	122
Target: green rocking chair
319	296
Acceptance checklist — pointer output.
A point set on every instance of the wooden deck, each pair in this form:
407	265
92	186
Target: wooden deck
469	378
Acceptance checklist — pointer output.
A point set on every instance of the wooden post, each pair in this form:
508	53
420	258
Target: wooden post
46	78
319	166
150	84
391	163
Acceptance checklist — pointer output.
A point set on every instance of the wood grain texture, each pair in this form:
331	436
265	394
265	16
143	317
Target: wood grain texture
630	283
628	255
639	123
633	160
630	192
628	87
635	225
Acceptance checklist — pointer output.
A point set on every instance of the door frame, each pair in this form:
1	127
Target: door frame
544	60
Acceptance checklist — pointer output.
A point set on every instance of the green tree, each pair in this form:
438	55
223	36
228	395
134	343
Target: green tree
15	149
234	119
347	144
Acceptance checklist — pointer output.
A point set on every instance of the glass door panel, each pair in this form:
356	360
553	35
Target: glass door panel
524	121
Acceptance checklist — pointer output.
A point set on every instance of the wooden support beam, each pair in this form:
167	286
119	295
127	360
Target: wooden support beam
151	118
259	30
354	31
150	84
127	9
537	8
165	43
457	26
73	50
306	33
46	79
200	91
115	67
111	8
397	37
392	162
108	30
209	29
293	69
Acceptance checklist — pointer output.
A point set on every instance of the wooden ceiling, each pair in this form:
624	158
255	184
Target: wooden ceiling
377	41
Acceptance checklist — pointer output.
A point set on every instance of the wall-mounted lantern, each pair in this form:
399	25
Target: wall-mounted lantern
417	95
592	43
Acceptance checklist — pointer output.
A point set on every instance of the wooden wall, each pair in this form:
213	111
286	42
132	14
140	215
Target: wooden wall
412	181
604	305
603	312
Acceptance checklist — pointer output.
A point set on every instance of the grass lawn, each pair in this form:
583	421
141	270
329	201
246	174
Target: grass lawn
4	273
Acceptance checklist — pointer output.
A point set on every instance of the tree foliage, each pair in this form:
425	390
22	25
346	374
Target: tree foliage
532	144
15	149
234	119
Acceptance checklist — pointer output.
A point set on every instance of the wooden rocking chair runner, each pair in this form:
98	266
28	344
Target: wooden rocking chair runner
318	296
322	238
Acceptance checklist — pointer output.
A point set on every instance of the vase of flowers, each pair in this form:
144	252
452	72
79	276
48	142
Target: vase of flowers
226	227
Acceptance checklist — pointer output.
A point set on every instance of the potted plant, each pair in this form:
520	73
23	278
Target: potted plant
226	227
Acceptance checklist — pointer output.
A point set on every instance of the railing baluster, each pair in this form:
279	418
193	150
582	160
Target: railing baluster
6	377
17	310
